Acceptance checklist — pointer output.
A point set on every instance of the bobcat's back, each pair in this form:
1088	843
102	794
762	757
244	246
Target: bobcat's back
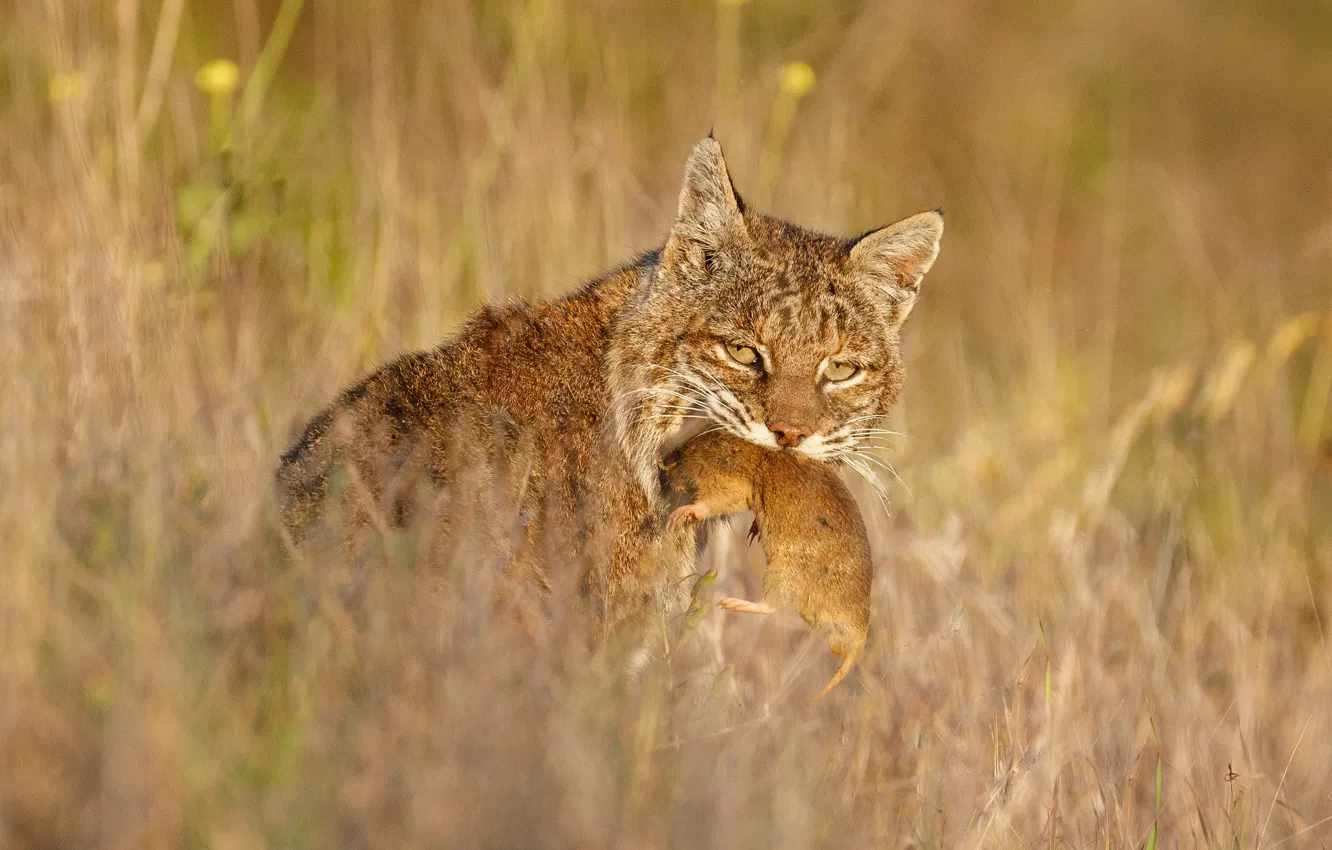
507	412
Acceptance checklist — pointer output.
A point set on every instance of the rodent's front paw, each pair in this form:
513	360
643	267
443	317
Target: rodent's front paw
687	513
744	606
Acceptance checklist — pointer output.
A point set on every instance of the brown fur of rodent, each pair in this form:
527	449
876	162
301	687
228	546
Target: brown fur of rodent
815	539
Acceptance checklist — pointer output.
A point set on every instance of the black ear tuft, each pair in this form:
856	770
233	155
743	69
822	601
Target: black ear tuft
709	210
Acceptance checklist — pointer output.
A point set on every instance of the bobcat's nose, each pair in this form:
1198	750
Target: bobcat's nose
788	435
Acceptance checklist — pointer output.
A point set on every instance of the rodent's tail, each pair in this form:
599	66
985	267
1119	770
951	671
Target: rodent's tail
302	476
848	661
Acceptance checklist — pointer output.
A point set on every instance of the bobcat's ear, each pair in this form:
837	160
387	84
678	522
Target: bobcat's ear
893	259
711	214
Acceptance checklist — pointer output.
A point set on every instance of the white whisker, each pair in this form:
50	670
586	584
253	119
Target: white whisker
723	405
886	465
856	420
869	479
882	432
678	408
867	443
675	418
677	399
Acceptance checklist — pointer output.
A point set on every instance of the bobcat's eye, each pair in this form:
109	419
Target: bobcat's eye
742	354
840	371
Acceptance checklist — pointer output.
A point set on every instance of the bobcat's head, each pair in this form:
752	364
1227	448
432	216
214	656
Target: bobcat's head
775	334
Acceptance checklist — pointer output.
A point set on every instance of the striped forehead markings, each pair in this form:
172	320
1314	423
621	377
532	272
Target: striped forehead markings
799	322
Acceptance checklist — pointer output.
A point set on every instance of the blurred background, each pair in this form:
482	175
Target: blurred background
1105	566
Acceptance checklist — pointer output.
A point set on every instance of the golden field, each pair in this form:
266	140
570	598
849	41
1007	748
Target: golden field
1104	572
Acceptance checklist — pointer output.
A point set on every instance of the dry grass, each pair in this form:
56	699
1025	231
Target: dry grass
1100	611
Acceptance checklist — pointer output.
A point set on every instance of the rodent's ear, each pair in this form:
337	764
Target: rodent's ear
895	258
710	218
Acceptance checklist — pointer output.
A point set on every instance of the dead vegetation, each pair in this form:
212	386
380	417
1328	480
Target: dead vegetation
1101	592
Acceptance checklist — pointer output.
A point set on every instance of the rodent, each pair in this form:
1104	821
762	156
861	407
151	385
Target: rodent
811	529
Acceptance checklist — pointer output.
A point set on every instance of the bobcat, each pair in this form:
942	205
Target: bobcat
535	434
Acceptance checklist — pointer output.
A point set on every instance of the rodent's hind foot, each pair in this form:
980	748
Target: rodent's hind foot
744	606
753	532
697	512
